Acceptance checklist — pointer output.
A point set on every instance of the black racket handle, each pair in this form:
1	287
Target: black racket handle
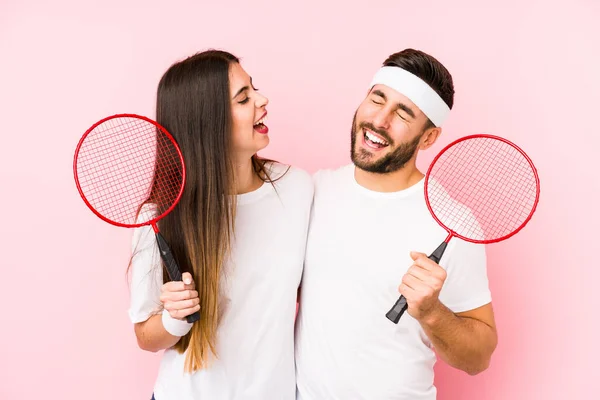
173	269
401	305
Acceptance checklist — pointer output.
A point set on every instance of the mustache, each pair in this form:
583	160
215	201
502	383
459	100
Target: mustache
380	132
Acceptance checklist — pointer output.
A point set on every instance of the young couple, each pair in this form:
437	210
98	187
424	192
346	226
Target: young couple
255	237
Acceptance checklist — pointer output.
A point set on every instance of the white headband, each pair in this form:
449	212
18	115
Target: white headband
416	90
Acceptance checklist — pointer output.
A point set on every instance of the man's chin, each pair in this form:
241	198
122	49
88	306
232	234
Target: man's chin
368	164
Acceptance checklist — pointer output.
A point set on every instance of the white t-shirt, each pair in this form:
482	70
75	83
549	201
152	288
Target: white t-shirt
358	250
255	338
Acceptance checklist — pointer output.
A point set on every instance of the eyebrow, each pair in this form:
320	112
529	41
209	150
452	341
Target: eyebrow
401	106
243	89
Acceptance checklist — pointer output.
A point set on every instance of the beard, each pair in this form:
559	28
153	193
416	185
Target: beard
393	161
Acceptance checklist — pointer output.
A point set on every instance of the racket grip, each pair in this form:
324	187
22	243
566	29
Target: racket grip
437	254
173	269
168	259
397	310
193	317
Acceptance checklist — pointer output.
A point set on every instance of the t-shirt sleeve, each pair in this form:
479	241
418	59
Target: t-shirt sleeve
466	286
146	275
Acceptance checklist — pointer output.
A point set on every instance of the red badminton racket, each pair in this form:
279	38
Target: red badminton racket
479	188
125	162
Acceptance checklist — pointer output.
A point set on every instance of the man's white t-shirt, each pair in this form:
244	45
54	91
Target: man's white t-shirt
358	250
255	338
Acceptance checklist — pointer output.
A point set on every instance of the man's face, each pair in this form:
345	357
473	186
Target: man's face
386	131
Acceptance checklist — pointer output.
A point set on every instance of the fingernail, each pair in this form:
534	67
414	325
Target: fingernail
187	281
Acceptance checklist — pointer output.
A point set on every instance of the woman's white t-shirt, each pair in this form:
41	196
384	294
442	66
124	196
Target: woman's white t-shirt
255	338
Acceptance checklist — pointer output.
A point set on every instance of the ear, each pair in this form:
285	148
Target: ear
430	137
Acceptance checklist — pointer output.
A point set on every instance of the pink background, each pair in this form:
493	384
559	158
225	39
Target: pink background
528	71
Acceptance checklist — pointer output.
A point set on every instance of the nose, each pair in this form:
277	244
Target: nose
381	119
261	101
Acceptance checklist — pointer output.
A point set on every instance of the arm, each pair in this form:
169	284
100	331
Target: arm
152	335
464	340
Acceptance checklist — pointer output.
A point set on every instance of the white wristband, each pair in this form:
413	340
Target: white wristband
174	326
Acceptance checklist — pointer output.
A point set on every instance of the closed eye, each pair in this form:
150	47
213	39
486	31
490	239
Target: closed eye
400	115
378	97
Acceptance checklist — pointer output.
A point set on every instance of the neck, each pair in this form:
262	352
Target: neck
388	182
246	179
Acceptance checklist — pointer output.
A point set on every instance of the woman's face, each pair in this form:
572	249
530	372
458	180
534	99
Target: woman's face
248	108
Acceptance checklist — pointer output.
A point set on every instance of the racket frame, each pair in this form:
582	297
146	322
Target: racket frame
452	233
154	220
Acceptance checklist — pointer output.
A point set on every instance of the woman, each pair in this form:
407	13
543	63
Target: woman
239	233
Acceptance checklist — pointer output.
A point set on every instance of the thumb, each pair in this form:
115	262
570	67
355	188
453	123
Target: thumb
187	278
415	254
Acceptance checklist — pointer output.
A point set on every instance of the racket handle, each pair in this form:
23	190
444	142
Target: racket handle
401	305
193	317
397	310
172	269
436	256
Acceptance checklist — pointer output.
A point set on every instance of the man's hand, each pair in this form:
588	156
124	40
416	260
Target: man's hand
421	286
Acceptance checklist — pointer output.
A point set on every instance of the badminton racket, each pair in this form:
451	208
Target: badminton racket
479	188
125	162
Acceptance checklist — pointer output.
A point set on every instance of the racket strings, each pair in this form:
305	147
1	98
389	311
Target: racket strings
125	162
482	188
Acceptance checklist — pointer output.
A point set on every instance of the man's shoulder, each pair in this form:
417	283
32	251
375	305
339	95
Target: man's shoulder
290	179
330	176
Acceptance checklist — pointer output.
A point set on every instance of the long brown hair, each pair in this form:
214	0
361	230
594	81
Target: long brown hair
193	104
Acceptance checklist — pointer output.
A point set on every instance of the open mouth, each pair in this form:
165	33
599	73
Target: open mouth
260	126
374	141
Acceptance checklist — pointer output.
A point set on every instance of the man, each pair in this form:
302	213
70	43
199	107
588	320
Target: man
369	238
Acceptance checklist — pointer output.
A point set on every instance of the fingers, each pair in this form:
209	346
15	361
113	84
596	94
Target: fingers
178	296
184	312
419	296
186	284
414	283
186	277
169	296
419	282
406	291
415	255
182	308
421	260
181	305
422	284
428	277
177	286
